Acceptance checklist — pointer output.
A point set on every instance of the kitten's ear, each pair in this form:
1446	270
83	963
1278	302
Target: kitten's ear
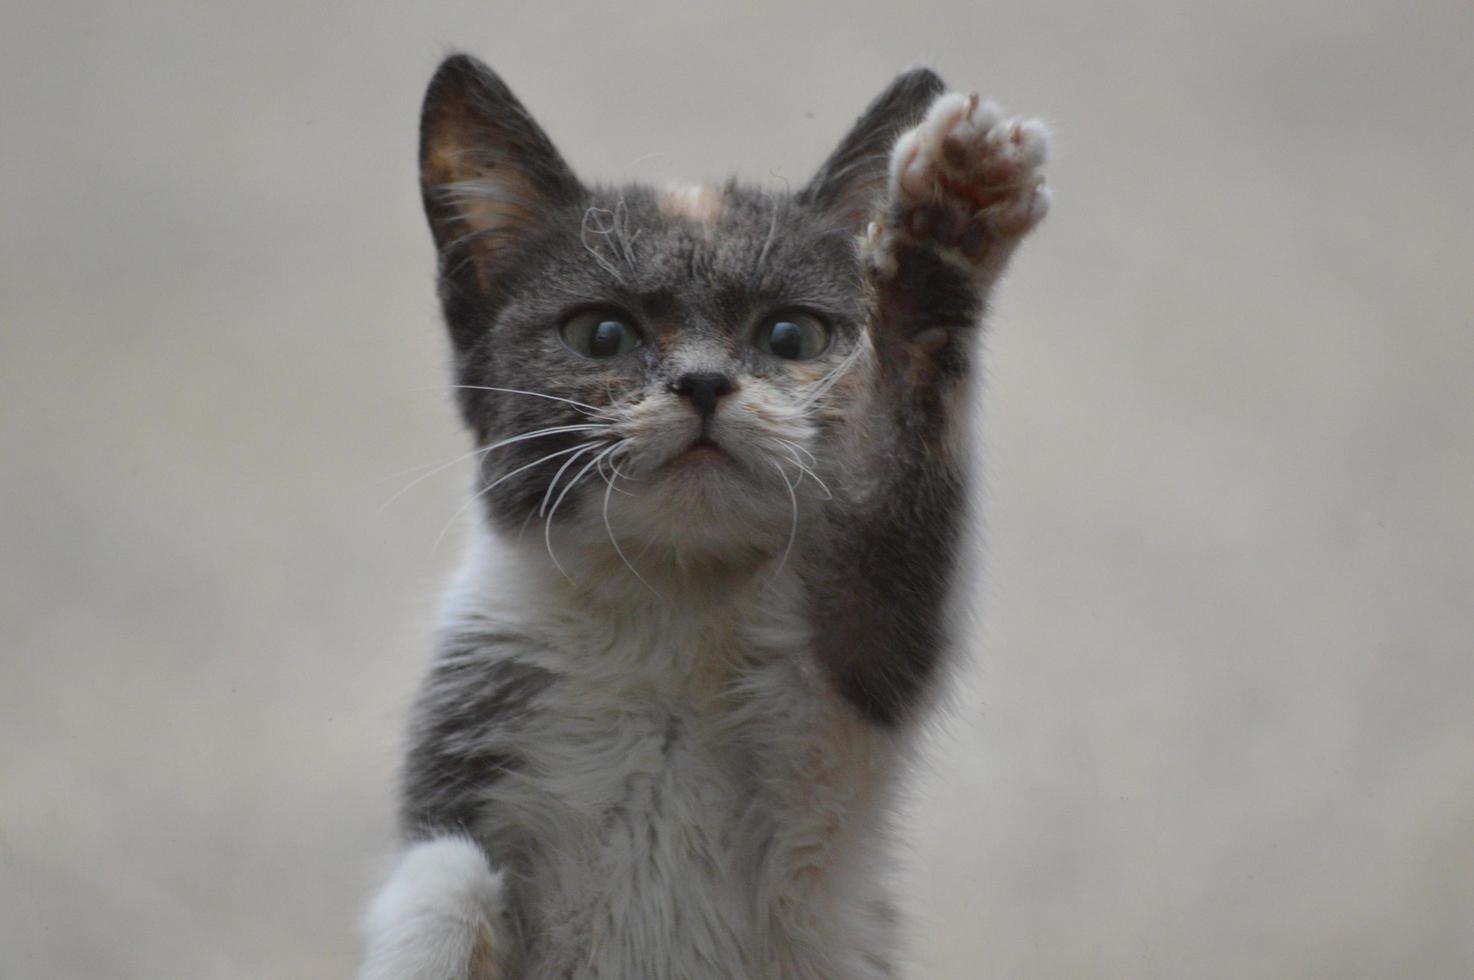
851	182
488	173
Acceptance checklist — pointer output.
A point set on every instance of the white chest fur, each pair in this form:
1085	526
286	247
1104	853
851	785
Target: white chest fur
693	800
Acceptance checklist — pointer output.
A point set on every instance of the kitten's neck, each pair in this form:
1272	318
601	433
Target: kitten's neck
591	571
591	579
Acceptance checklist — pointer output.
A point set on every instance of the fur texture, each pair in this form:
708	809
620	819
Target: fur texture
707	602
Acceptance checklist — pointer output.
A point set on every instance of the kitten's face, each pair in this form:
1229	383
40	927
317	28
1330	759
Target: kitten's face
699	352
653	366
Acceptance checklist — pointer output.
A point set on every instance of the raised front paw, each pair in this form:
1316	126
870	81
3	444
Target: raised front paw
965	183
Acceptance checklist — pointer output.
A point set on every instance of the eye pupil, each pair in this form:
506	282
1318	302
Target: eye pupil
599	333
605	339
786	339
792	336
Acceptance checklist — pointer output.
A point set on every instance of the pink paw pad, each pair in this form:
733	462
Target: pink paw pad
965	178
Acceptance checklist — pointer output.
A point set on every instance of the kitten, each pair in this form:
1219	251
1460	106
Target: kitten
721	488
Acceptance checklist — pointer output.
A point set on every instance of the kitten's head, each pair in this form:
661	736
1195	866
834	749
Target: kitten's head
655	366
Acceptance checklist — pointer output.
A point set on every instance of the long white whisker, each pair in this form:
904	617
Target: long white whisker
615	410
492	485
590	223
543	507
434	468
793	530
554	430
437	467
796	446
608	458
829	380
614	465
825	383
614	541
804	470
548	524
768	242
621	231
510	391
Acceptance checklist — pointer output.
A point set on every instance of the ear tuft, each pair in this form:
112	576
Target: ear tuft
488	173
851	181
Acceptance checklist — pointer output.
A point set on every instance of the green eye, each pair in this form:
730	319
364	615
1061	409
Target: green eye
792	336
599	333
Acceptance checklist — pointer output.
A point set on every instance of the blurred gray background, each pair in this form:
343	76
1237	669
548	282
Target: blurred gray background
1220	719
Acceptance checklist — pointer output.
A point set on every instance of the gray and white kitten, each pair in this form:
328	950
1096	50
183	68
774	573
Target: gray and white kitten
722	481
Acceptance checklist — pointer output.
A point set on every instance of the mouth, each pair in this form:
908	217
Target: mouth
704	447
702	451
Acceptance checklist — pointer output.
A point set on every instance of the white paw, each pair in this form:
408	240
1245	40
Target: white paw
966	182
437	918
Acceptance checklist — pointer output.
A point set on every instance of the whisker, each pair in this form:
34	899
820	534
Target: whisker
793	530
614	541
608	458
491	486
795	446
436	468
615	402
552	430
621	231
768	242
804	470
543	508
433	467
548	524
597	226
518	391
614	465
829	380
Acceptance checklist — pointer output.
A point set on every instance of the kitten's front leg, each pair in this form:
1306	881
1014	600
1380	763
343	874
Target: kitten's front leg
964	189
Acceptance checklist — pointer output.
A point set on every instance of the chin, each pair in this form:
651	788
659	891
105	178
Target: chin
705	503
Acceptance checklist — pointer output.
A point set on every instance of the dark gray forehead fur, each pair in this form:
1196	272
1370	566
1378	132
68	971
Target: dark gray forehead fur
765	253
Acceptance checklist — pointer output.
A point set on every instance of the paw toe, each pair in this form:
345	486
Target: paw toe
1032	141
945	114
908	169
1019	214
